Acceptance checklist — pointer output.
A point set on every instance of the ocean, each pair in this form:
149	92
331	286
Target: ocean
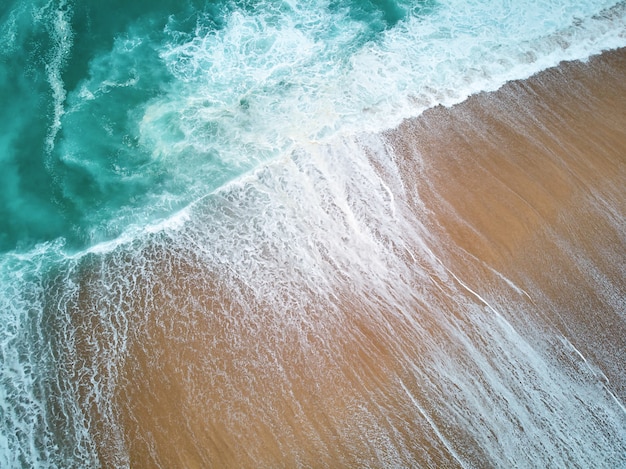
372	233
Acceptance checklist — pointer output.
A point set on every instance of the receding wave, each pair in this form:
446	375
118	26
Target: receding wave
226	245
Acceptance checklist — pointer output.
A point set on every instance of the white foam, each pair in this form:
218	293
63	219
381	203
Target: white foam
267	84
276	101
300	84
61	34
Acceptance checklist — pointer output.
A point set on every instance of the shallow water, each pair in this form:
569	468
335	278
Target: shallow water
216	253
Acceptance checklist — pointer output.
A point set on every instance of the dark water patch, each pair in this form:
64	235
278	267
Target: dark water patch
379	15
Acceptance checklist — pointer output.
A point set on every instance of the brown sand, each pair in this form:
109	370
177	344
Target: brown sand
526	183
529	177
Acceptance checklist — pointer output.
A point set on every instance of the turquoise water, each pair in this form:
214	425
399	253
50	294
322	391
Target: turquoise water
120	118
116	115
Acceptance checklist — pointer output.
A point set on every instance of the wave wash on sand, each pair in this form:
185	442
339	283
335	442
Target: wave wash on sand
452	293
449	293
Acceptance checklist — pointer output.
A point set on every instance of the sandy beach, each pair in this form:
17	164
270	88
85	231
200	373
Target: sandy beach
489	329
530	181
313	234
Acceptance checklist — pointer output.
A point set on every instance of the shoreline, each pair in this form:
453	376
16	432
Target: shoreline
460	304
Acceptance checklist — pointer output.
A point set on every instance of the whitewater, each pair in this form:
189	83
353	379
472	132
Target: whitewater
220	244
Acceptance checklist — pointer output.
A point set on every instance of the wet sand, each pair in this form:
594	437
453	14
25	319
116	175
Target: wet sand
531	181
481	321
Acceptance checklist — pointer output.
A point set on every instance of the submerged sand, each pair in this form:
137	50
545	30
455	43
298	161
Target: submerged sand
475	317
